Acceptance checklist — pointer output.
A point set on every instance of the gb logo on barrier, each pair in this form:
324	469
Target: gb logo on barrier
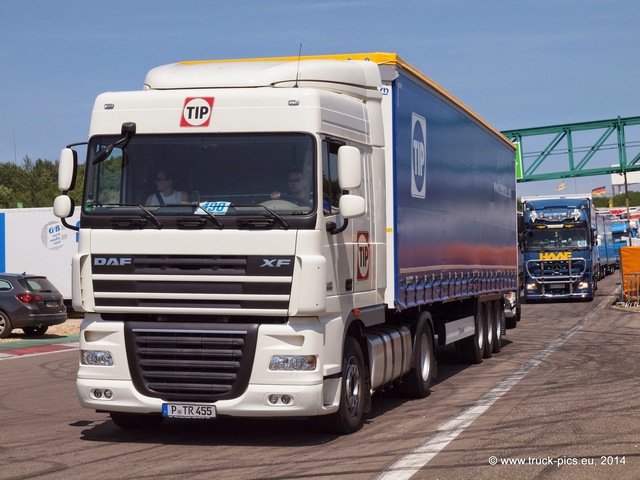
418	156
196	112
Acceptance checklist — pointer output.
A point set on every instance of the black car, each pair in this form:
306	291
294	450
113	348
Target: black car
29	302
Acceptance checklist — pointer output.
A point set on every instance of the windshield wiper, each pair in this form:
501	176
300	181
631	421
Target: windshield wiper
271	213
151	216
277	217
216	221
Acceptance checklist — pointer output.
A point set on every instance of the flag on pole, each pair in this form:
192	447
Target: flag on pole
562	186
598	192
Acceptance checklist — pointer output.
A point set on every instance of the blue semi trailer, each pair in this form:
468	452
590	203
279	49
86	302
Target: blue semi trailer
241	302
560	252
606	250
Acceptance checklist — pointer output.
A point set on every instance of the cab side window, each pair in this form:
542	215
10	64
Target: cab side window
330	186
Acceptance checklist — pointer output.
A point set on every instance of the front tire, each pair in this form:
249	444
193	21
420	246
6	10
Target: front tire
348	418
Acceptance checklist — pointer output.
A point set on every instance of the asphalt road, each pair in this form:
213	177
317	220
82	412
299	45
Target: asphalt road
559	402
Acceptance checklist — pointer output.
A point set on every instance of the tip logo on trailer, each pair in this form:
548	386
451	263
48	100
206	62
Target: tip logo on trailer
418	156
196	112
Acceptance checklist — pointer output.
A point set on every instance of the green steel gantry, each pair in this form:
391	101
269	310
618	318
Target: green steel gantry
559	142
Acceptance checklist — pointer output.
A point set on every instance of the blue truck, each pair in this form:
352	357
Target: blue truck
243	301
621	237
560	252
606	250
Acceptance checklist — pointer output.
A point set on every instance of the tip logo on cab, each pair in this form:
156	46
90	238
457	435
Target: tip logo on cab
196	112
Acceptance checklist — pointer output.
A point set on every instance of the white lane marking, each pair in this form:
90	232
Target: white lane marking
411	463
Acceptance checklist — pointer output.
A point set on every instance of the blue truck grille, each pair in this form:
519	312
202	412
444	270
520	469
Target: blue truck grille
189	361
557	271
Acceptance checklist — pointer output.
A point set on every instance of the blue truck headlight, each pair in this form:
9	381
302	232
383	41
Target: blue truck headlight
293	363
101	358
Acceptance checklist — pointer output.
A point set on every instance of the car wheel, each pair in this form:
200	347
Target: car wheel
5	325
36	331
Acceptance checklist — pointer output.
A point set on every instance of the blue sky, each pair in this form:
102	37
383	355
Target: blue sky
517	63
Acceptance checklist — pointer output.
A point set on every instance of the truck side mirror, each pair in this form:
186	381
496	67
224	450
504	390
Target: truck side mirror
63	207
349	168
67	169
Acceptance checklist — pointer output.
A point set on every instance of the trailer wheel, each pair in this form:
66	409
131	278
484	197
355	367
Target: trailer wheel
489	330
136	421
471	349
417	383
498	321
348	418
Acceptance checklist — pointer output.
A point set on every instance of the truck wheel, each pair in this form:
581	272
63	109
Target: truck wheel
489	330
512	322
5	325
498	321
417	383
348	418
136	421
470	349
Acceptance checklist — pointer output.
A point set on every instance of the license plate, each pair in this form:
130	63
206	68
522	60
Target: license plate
51	304
556	285
182	410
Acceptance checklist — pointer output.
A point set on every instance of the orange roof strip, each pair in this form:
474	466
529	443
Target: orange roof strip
380	58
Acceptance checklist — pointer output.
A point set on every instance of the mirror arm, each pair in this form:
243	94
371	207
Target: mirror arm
333	229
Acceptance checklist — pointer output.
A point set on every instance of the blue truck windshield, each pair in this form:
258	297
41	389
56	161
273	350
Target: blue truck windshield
541	238
189	173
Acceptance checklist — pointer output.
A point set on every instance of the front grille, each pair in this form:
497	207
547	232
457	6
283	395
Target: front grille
192	284
557	270
190	362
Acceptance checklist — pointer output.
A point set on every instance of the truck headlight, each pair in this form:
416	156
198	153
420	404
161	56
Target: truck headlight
101	358
292	363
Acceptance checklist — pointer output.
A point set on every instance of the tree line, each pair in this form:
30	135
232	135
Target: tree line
33	184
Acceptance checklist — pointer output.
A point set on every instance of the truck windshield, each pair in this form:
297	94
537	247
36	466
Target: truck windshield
541	238
188	173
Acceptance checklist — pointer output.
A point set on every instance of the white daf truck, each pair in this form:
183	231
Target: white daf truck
250	298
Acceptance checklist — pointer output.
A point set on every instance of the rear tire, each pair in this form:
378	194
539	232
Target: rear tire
136	421
489	330
498	322
417	382
348	418
5	325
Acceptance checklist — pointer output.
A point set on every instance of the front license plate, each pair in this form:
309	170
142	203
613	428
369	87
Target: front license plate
182	410
556	285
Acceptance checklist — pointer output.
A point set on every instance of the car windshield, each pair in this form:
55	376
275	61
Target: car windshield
194	174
